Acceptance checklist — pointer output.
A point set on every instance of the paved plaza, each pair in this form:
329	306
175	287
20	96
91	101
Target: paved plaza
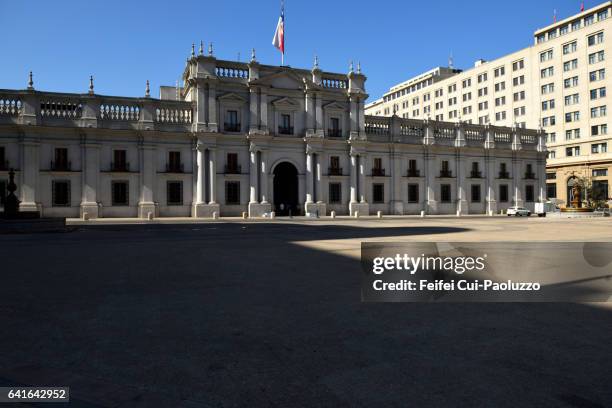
235	313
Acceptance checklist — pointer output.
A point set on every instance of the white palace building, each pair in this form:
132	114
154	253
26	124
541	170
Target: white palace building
246	137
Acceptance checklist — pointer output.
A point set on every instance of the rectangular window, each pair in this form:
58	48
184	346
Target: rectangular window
61	159
232	192
119	161
285	127
334	127
529	193
475	193
231	121
120	193
517	65
335	193
600	172
445	193
174	162
595	38
232	166
503	193
413	193
174	193
378	193
570	47
61	193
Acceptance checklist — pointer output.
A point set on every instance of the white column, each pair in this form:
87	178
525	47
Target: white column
516	181
310	111
253	177
212	109
253	110
263	105
353	178
264	177
318	183
148	171
90	154
29	166
461	184
490	181
397	205
319	113
362	178
212	175
200	178
430	183
309	178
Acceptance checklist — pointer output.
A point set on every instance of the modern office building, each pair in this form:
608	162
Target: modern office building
246	137
559	83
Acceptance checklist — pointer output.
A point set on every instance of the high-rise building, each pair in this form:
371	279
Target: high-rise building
559	84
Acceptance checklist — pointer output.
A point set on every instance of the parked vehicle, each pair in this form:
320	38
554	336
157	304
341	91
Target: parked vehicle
518	211
542	208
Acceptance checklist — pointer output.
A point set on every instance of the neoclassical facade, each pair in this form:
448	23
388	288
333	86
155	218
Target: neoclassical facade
246	137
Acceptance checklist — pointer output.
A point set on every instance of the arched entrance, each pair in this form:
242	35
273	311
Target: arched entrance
286	189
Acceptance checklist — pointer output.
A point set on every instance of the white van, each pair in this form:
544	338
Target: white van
542	208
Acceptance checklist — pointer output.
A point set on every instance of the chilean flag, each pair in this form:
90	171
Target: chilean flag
279	35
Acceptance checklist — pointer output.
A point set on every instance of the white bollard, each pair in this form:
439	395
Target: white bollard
215	215
379	214
490	213
356	214
422	214
272	215
245	215
458	213
150	216
333	214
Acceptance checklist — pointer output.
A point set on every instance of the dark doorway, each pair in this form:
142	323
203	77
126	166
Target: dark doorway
286	189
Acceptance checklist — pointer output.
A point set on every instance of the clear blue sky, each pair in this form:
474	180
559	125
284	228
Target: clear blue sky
124	43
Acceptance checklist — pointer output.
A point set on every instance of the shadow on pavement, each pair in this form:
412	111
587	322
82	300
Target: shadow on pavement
236	315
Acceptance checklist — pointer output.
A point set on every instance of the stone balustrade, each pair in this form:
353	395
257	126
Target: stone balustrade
85	110
396	129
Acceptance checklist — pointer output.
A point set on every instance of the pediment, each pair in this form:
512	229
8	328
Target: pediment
285	103
334	106
282	80
232	97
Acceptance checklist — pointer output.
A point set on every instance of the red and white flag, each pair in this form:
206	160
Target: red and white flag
279	35
582	6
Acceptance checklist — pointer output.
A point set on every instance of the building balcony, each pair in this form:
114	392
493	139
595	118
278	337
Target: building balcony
174	168
504	175
446	174
233	169
231	127
334	132
378	172
334	171
530	176
120	167
413	173
285	130
60	166
476	174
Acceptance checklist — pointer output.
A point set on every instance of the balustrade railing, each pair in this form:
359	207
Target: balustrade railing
336	83
377	125
232	72
177	115
500	135
444	132
473	133
529	139
61	108
119	112
10	106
